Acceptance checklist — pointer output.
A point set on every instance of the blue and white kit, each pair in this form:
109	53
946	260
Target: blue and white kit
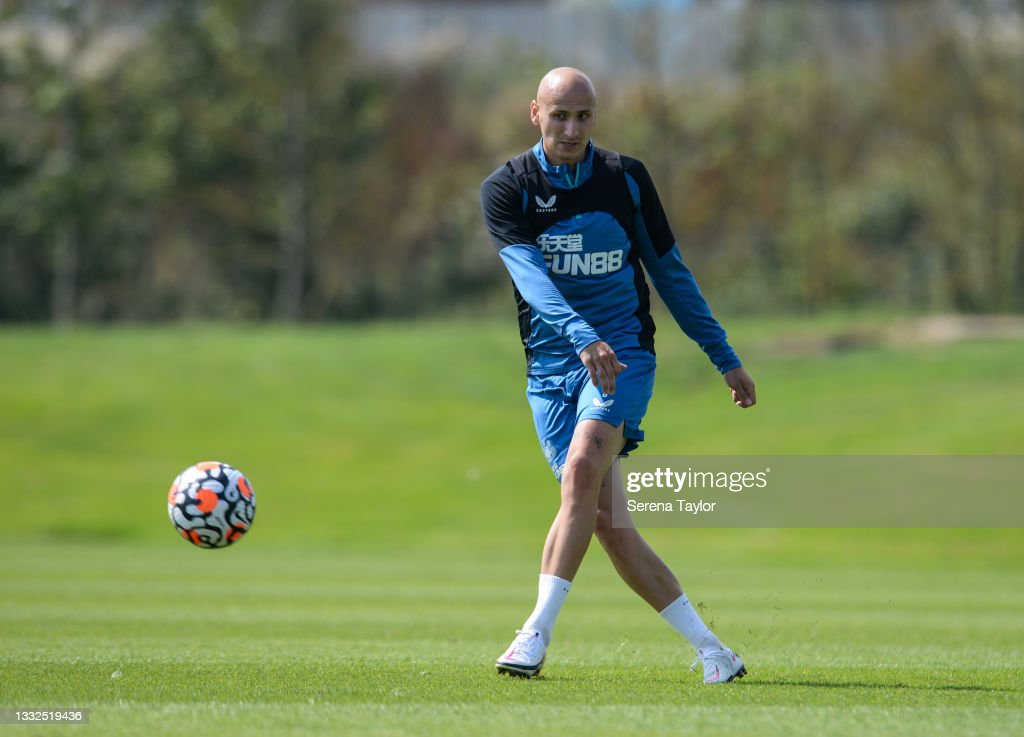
574	239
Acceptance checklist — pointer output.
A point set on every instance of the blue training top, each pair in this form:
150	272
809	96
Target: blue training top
573	241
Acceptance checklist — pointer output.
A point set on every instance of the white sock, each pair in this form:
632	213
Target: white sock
551	593
685	620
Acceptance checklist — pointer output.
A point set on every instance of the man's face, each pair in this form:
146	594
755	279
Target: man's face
566	116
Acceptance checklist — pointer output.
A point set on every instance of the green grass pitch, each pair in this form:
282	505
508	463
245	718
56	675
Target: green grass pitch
402	502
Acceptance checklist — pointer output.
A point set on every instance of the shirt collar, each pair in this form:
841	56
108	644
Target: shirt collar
566	176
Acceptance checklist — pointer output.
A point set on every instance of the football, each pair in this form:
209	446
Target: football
211	504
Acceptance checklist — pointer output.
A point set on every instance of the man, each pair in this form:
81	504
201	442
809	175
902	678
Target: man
573	223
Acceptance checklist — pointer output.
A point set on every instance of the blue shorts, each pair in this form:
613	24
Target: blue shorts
560	401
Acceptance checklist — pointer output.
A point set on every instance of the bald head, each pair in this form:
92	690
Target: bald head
565	111
566	82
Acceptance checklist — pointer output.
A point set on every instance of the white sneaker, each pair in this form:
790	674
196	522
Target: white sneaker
720	666
524	656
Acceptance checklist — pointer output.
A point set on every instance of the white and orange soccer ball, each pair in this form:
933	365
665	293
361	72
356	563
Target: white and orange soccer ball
211	504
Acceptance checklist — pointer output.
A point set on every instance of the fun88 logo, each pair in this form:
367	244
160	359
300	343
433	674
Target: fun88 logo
564	255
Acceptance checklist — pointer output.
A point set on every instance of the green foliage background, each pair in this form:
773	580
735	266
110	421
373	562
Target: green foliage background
235	160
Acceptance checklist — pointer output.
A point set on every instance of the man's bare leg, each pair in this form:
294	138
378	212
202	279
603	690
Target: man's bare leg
645	573
594	448
637	564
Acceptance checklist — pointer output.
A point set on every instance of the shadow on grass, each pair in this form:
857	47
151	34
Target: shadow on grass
860	684
749	682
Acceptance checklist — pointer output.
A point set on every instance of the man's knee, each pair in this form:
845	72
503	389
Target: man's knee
616	540
582	474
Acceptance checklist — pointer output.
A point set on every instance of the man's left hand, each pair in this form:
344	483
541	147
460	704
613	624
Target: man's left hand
742	386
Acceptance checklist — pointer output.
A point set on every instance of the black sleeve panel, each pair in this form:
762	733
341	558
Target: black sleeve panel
653	214
501	198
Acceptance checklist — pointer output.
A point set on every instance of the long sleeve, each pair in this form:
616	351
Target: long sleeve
671	278
678	289
529	273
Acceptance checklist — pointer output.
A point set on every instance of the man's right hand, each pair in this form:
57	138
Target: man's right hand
602	364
